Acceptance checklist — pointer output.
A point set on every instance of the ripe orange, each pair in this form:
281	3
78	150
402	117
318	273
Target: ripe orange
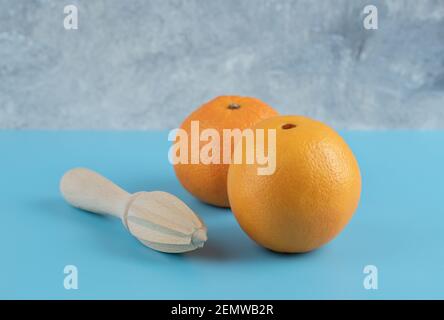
208	182
312	194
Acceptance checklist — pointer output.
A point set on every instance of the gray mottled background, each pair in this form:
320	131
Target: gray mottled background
145	64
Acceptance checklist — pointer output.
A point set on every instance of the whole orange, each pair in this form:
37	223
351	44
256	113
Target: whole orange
311	195
208	182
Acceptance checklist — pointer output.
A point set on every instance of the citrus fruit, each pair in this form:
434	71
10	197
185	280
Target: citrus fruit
311	195
208	182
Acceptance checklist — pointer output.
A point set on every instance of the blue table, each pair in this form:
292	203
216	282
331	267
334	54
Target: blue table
399	226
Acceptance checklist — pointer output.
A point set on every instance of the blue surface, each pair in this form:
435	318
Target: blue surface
399	226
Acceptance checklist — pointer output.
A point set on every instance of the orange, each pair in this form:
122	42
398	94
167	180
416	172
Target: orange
311	195
208	182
